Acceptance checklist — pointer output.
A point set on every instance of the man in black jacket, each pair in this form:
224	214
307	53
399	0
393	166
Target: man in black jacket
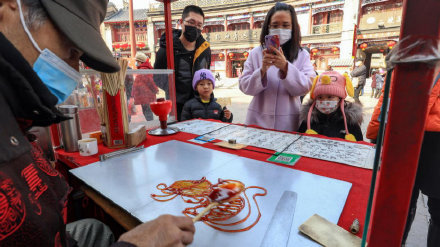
41	43
359	71
191	53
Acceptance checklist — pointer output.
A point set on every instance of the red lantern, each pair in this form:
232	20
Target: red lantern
231	55
363	46
391	44
245	54
117	46
124	46
141	44
314	51
221	55
335	50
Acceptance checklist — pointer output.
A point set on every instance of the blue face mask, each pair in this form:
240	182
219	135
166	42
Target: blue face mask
59	77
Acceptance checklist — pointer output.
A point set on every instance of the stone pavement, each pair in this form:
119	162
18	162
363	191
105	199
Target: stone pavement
228	88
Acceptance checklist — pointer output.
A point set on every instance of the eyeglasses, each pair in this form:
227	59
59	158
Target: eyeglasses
278	26
194	23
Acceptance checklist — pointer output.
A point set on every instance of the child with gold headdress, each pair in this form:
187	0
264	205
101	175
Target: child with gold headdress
327	113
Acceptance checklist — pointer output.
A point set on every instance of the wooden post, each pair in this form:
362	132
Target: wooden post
226	23
411	84
132	30
310	19
170	53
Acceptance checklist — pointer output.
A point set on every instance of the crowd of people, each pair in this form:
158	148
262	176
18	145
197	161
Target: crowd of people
40	54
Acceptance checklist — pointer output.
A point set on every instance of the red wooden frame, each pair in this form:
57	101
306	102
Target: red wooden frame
170	51
405	128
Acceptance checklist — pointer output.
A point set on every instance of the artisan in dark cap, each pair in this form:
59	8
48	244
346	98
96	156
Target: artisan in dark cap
41	43
80	20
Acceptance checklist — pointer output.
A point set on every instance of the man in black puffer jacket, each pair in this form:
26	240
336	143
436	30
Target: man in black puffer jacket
191	53
204	104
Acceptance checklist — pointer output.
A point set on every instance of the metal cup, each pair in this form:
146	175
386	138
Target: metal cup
70	129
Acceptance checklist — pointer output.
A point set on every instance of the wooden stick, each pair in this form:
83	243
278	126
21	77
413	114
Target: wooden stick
112	83
200	215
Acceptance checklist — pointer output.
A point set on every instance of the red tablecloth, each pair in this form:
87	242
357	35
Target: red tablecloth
356	204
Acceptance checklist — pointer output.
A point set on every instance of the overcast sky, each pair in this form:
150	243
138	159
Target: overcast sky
137	4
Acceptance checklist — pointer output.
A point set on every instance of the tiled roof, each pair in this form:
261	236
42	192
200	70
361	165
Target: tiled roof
343	62
122	15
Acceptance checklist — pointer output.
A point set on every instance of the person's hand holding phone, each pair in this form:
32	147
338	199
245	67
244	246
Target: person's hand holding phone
273	55
280	61
267	62
270	42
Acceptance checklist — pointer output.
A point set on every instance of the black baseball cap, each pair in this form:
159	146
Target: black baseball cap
80	21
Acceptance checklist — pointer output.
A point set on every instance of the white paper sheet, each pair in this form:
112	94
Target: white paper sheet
354	154
272	140
349	153
198	127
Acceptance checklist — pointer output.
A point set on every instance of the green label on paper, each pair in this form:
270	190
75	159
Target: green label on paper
286	159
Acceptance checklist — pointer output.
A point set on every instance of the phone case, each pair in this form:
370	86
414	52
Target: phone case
272	40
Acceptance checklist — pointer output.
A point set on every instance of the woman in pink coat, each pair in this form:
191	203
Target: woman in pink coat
277	78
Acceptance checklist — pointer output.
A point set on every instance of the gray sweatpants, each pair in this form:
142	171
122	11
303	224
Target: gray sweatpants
90	232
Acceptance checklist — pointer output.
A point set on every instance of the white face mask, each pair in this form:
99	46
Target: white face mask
284	34
326	106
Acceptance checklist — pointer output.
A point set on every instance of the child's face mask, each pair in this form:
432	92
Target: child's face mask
326	106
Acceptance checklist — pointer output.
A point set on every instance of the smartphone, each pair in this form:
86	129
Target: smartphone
272	41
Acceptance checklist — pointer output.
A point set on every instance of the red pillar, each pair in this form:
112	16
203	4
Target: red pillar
113	30
170	52
132	30
310	19
405	128
226	23
228	64
325	18
355	30
354	49
252	21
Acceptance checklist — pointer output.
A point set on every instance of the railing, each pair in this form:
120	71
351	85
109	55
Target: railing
251	35
327	28
200	3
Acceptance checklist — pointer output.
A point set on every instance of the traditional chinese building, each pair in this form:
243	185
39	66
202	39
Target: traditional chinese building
379	30
117	29
233	28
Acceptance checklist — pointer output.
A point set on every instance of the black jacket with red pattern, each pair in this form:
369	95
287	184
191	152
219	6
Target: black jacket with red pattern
33	195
